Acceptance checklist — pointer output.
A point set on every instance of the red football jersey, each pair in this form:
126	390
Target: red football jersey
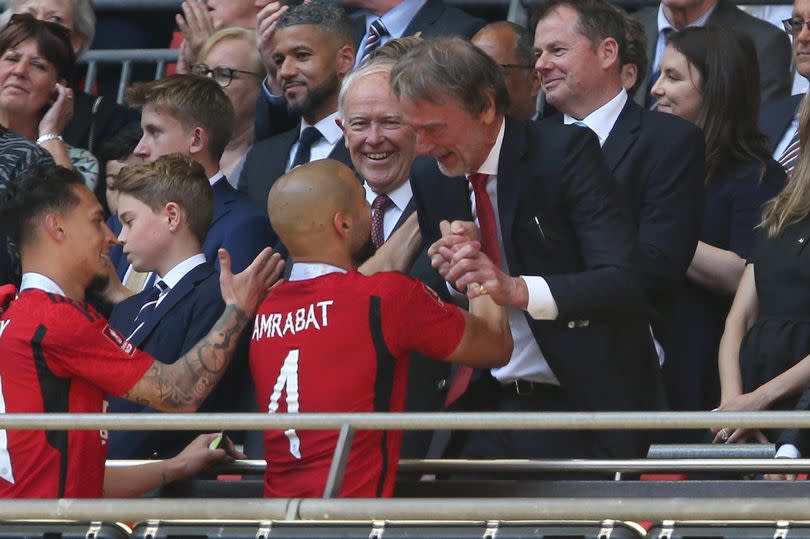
58	355
340	343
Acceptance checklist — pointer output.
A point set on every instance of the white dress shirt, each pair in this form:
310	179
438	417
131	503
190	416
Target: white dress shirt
527	361
396	20
602	120
301	271
174	275
401	197
324	146
788	451
216	177
40	282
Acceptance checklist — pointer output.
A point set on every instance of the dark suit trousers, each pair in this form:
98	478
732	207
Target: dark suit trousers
487	394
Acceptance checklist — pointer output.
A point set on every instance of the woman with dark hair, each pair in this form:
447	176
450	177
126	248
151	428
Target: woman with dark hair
710	77
36	61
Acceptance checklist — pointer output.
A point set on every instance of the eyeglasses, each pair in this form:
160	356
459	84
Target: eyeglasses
26	19
794	25
222	75
517	66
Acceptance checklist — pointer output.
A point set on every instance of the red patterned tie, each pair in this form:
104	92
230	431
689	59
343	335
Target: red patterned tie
488	228
378	207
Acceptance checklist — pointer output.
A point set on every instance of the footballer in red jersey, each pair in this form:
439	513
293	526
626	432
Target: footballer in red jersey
57	354
340	343
62	357
333	340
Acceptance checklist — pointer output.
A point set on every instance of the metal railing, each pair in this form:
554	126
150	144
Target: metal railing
436	509
411	421
125	57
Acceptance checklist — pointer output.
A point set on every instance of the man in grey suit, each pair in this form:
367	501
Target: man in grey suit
773	47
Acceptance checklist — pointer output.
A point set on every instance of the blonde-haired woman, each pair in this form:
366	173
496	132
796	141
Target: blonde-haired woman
231	58
764	357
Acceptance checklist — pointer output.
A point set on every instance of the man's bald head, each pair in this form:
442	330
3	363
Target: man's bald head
314	204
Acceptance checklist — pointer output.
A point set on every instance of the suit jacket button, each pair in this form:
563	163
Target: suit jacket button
441	384
572	324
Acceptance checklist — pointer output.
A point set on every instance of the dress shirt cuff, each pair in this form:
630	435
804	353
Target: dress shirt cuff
541	305
455	293
271	97
788	451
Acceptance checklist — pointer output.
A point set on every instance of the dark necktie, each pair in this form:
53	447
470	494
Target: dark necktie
308	137
378	207
147	308
375	34
649	100
488	228
791	153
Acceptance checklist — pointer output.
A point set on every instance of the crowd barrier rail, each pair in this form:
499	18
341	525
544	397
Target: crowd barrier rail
432	509
412	421
620	507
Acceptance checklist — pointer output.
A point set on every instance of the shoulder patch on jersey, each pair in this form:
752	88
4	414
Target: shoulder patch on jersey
118	340
432	293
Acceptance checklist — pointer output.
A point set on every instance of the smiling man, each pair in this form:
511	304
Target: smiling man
560	254
382	148
313	49
579	45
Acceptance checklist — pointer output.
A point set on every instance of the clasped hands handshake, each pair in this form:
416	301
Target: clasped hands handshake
458	258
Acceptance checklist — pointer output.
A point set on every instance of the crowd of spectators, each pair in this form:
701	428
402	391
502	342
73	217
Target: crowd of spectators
602	211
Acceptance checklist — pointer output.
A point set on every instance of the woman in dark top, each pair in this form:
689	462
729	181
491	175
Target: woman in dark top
764	358
710	76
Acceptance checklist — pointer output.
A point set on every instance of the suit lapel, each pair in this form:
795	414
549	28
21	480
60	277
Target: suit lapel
424	18
511	167
224	194
409	209
181	290
623	134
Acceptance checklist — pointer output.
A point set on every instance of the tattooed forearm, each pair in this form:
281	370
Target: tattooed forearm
184	384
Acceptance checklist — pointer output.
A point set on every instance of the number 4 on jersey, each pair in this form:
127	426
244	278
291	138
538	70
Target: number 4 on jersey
289	378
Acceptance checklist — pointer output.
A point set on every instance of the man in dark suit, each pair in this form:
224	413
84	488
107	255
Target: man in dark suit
427	18
166	209
779	120
773	47
313	49
191	115
391	20
656	159
382	148
560	253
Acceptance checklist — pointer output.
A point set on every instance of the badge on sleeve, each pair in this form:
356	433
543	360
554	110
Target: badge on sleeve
118	340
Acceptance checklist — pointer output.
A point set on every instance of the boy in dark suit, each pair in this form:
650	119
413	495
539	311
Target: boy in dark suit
165	209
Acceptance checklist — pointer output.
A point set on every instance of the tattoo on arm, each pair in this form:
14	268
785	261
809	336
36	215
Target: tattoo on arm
187	382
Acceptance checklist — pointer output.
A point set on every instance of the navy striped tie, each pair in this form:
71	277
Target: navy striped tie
375	34
147	308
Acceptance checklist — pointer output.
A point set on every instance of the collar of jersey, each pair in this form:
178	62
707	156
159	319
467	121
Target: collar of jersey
302	271
40	282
